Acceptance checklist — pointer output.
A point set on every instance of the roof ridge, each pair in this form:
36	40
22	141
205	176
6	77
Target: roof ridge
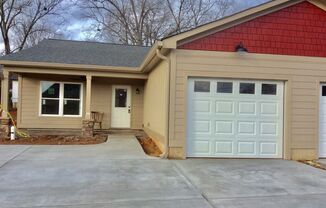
95	42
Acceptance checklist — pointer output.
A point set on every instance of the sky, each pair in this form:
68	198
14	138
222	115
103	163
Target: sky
76	24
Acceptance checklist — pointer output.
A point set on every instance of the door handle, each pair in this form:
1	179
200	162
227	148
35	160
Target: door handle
129	110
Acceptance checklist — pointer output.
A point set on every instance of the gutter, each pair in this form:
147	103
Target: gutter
152	54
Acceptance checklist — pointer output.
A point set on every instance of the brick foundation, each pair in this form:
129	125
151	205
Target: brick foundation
4	127
88	128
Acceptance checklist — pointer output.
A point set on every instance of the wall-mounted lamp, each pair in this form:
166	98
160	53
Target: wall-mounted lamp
137	91
241	48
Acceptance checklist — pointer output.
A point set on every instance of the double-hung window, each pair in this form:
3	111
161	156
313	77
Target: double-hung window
61	99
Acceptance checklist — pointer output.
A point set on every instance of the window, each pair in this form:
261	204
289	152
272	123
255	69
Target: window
61	99
202	86
50	98
120	98
71	99
268	89
247	88
224	87
324	91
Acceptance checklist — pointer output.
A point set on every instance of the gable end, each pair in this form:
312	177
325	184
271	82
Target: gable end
296	30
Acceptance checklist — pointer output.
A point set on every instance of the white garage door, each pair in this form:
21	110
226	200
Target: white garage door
322	120
235	118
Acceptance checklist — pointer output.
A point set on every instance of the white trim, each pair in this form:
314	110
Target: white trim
61	99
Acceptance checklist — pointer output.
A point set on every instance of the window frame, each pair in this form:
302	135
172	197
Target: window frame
264	94
62	99
207	81
248	94
225	82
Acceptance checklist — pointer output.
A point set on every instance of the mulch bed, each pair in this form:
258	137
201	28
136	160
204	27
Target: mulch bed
314	163
149	146
55	140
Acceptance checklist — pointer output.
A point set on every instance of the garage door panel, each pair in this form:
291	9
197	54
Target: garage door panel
247	108
247	148
268	129
268	148
246	128
224	148
233	124
269	109
202	127
225	107
224	127
200	147
202	106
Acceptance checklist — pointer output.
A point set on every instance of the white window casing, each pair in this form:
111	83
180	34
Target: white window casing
61	99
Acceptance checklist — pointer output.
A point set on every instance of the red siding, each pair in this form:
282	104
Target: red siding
296	30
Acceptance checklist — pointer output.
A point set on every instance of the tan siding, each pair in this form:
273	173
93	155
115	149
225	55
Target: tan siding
304	73
137	107
101	102
30	105
155	102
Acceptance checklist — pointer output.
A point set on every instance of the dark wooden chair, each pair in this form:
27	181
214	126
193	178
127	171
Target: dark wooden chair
97	117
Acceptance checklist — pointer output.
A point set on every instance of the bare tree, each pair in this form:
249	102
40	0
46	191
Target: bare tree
141	22
188	14
125	21
24	22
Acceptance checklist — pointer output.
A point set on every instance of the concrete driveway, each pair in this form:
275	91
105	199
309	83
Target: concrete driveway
119	174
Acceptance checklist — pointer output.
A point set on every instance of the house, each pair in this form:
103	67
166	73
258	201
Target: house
251	85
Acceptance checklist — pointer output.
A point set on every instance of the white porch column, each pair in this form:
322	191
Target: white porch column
4	93
88	97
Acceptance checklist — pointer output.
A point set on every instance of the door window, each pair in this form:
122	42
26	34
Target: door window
324	91
268	89
120	98
247	88
224	87
202	86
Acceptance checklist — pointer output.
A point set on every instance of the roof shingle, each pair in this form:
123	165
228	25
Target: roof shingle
82	52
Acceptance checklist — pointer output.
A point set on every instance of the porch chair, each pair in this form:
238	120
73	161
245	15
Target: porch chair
97	117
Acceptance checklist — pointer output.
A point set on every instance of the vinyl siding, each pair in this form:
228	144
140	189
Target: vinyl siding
30	108
101	101
302	76
155	103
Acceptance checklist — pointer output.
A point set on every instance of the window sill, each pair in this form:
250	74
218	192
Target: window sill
61	116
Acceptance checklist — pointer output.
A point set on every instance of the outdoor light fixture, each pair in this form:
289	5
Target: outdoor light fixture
137	91
241	48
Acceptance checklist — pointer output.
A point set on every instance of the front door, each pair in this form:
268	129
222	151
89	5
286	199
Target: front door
121	100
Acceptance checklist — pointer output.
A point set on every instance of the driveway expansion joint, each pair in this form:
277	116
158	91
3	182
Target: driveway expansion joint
15	156
191	184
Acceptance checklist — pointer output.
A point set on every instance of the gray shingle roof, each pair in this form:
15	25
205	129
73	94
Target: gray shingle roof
82	52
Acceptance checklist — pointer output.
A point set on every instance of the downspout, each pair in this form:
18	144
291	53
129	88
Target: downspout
164	155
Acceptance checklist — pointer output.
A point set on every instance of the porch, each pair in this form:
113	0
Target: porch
66	101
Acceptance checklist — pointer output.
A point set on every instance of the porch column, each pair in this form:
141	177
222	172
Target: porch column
88	123
4	93
88	97
4	120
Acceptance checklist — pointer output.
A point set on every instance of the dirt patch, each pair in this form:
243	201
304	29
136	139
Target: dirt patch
55	140
149	146
314	163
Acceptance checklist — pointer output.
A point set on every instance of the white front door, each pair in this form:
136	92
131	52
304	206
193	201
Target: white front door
121	109
235	118
322	122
